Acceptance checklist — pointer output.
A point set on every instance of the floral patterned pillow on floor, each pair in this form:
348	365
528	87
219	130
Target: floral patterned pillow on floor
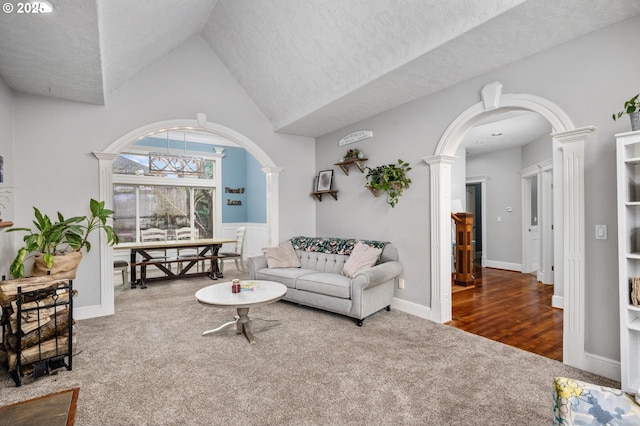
581	403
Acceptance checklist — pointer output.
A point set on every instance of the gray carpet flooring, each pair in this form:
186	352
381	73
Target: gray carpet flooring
149	365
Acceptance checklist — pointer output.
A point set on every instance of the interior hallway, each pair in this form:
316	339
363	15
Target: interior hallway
512	308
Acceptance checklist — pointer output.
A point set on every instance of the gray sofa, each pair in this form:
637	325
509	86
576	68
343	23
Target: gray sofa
319	282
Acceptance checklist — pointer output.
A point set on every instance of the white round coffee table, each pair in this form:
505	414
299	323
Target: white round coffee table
220	296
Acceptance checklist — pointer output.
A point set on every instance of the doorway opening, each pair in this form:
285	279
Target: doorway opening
568	161
200	124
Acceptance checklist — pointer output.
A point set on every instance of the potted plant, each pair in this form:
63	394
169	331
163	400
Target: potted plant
57	244
631	107
390	178
353	154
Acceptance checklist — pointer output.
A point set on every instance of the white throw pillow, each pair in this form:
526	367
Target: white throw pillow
362	257
283	256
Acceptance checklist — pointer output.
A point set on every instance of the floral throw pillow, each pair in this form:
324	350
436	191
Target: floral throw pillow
283	256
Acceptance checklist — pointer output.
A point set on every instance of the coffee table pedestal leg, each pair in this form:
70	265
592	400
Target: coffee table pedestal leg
222	327
242	324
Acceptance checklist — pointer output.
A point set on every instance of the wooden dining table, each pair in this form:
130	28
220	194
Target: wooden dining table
206	249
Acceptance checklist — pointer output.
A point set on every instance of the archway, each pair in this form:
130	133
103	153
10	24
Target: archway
568	180
200	123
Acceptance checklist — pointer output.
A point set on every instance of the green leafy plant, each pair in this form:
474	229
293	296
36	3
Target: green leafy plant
352	154
630	106
390	178
57	237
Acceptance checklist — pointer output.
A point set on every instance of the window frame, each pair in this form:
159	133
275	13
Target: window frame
190	183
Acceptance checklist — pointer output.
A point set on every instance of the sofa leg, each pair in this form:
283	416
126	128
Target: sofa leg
388	308
359	322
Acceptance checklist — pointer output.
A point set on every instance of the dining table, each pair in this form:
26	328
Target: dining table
141	256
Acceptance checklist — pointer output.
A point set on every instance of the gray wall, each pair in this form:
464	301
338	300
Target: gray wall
536	151
54	140
503	189
589	78
6	150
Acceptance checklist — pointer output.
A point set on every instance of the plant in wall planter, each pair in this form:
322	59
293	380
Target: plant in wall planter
56	245
391	179
632	108
353	154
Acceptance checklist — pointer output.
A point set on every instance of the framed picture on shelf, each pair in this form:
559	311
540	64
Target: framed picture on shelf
324	180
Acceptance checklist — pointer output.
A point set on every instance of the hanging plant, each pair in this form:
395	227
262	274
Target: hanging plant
390	178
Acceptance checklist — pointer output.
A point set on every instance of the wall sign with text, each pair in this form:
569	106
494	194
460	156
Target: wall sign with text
355	137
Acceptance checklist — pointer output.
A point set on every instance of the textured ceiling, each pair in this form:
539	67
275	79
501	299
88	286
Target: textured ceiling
504	131
311	66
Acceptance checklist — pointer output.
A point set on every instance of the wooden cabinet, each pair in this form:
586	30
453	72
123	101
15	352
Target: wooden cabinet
628	182
463	274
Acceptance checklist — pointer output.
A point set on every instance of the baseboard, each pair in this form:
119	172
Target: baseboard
87	312
557	302
517	267
411	308
605	367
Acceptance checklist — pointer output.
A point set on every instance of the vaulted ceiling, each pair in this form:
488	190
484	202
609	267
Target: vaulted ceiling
311	66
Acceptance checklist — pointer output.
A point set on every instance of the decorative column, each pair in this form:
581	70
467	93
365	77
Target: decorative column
105	162
273	219
440	249
572	145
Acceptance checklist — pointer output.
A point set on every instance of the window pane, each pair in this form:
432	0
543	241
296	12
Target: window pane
203	201
534	200
138	165
164	207
131	164
124	216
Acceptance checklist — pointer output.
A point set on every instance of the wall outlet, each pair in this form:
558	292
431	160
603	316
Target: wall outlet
401	283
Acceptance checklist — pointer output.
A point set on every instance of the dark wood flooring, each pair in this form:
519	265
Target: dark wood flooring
512	308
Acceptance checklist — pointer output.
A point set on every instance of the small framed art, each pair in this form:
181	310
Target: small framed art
324	180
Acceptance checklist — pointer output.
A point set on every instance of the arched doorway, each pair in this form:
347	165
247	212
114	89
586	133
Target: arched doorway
200	123
568	179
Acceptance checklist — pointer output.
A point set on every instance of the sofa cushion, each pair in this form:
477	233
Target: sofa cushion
325	283
286	276
362	257
283	256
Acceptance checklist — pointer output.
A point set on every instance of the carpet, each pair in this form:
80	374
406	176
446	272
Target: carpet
55	409
150	365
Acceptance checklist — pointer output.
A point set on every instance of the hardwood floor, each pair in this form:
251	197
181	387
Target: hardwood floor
511	308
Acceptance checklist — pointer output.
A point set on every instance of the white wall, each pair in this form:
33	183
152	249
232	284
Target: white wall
589	78
54	140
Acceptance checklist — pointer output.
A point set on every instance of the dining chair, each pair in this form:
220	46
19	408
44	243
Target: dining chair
187	233
122	266
155	234
236	254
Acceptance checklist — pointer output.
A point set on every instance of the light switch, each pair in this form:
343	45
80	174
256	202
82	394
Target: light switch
601	232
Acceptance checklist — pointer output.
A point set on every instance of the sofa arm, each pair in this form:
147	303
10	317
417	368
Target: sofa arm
255	264
376	275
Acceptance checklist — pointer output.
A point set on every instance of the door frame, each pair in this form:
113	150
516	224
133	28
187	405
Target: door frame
545	219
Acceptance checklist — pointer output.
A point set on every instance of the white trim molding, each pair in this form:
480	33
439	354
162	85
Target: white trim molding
105	160
571	143
568	190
